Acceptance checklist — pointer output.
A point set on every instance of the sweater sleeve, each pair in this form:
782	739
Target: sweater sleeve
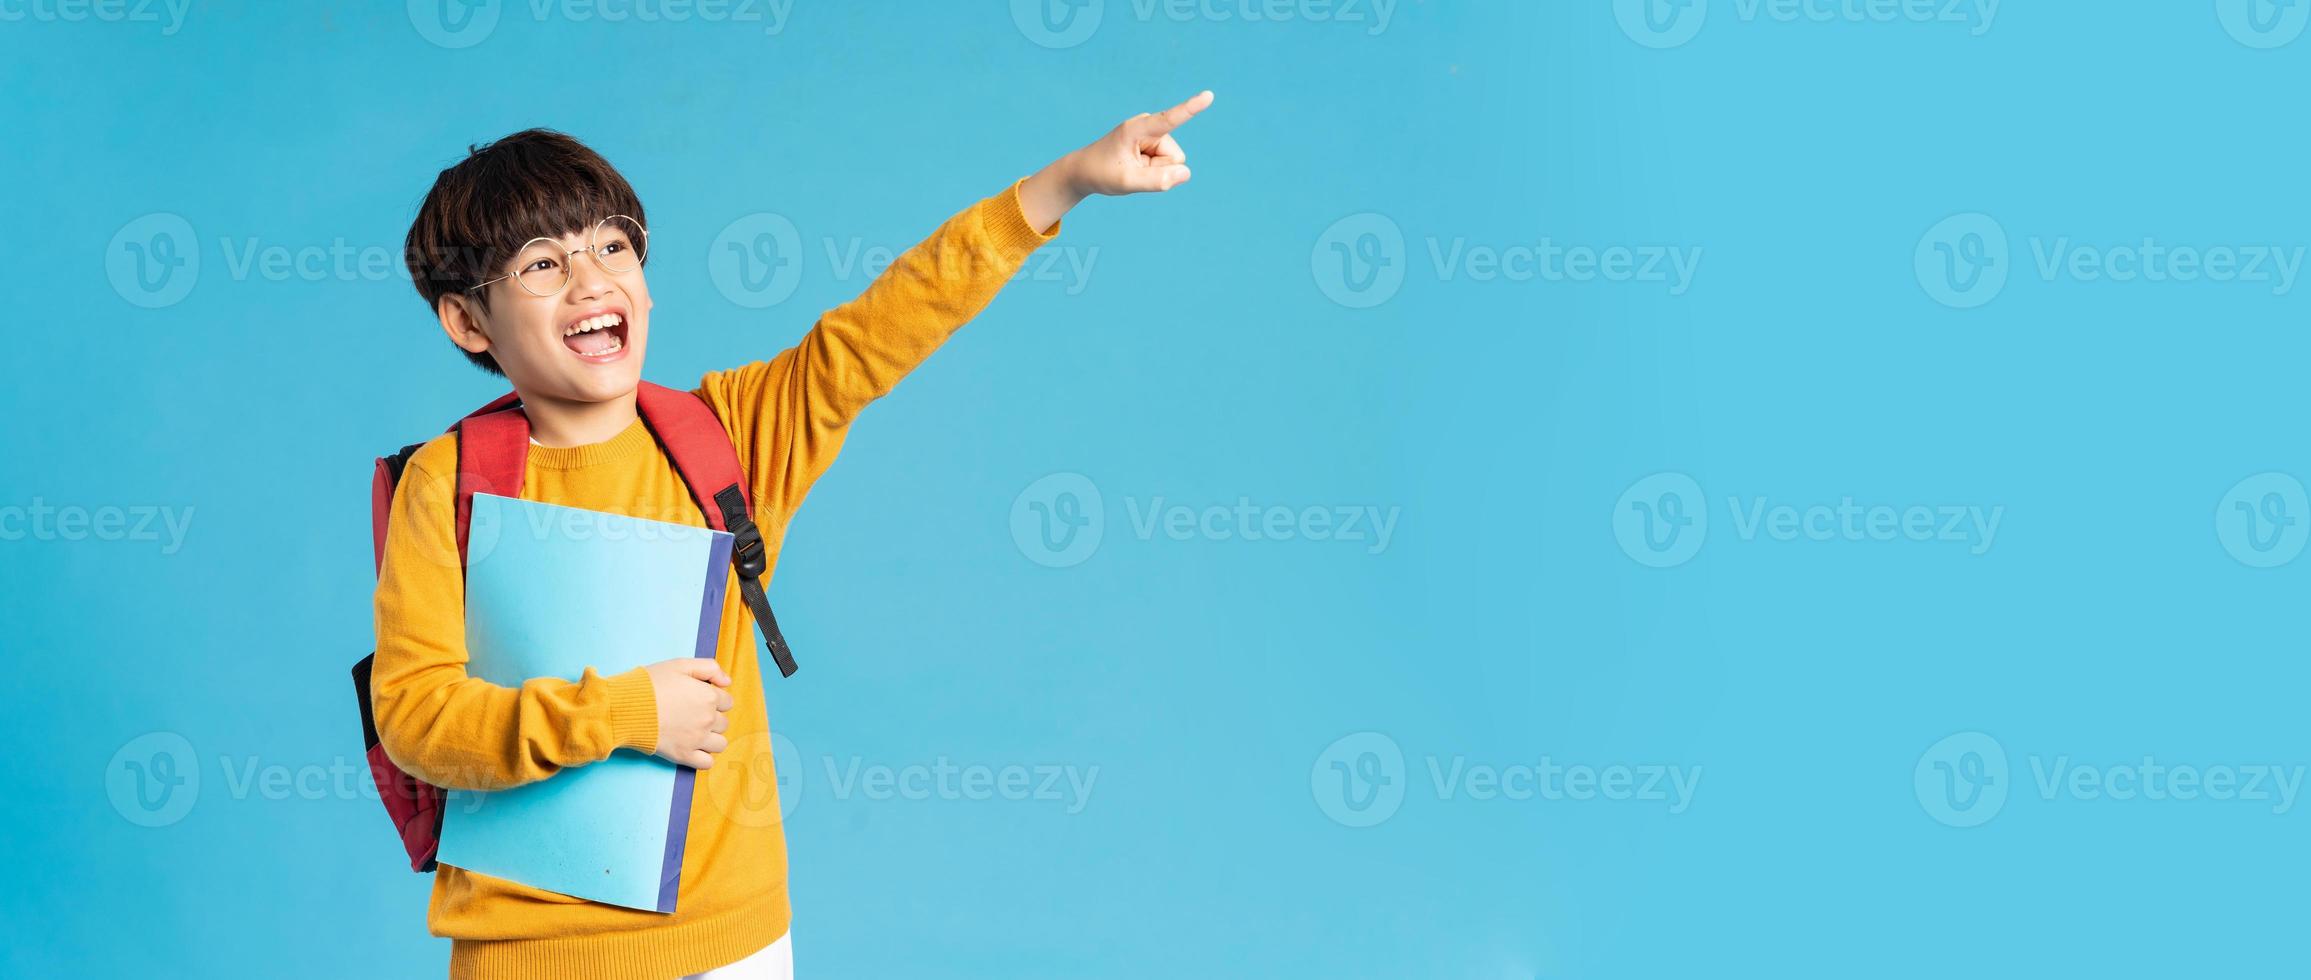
788	415
462	732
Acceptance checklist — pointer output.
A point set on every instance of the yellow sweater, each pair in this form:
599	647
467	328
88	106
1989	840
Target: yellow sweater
787	418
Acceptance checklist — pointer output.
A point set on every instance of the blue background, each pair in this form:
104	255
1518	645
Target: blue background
2114	617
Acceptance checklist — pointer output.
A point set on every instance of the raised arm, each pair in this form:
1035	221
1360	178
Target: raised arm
788	415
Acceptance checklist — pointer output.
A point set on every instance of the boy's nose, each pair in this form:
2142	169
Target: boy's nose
588	280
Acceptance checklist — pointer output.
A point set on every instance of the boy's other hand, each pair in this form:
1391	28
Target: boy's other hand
693	710
1138	157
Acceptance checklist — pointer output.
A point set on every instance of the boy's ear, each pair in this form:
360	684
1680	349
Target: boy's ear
462	322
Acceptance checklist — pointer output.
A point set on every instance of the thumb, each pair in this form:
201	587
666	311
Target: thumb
1156	179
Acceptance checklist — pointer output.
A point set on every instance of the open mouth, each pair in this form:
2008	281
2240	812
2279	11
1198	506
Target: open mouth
600	337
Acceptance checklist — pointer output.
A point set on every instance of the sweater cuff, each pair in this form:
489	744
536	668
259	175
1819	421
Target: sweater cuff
1005	221
634	711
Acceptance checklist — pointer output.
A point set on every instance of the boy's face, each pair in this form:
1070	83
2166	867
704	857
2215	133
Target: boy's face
582	341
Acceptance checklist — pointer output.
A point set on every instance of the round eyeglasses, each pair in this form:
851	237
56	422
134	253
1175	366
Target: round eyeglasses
542	266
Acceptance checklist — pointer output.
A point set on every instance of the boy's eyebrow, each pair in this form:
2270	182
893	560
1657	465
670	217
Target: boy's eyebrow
576	233
541	241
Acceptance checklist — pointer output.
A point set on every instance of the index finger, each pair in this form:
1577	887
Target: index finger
1171	119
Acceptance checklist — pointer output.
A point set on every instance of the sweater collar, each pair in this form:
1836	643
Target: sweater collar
633	440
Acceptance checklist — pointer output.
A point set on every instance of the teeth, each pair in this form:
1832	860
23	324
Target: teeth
615	346
593	323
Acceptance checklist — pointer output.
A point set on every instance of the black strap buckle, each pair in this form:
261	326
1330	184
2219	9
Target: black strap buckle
747	552
751	557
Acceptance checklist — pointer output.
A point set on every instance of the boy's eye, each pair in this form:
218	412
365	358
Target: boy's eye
540	274
618	241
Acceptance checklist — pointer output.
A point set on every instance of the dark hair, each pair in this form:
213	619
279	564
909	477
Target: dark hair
536	182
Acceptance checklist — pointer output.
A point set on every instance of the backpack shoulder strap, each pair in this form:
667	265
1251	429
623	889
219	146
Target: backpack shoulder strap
493	443
694	439
381	486
387	478
700	448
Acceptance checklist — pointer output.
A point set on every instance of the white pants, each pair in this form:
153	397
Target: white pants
772	962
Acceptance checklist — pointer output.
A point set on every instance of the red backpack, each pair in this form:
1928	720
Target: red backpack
492	444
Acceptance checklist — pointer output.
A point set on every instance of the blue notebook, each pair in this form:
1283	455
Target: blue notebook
549	592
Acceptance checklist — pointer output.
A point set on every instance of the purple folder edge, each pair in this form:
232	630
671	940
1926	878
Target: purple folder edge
686	778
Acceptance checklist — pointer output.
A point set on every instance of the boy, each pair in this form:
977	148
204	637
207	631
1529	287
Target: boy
531	253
